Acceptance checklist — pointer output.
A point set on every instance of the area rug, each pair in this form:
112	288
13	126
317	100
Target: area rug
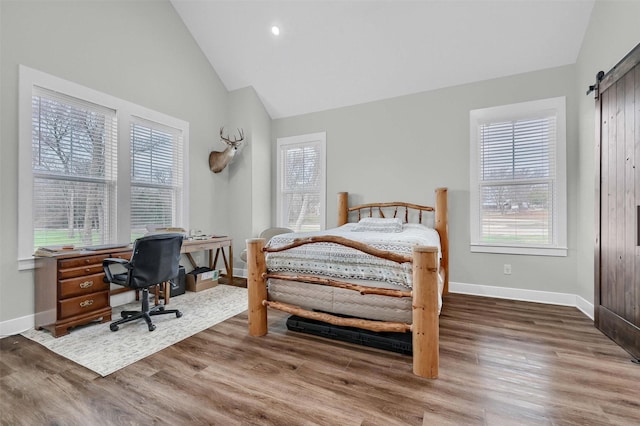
99	349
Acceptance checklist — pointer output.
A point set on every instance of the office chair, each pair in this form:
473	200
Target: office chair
154	261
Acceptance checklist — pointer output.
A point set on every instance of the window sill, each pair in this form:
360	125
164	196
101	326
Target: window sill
531	251
26	264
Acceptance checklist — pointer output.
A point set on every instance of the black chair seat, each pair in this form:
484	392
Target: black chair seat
155	260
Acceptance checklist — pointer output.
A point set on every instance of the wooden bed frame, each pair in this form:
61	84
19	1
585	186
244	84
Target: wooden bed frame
424	326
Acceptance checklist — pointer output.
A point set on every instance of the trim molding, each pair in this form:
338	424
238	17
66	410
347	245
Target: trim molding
237	272
537	296
585	306
18	325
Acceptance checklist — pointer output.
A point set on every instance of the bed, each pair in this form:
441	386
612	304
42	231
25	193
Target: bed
383	268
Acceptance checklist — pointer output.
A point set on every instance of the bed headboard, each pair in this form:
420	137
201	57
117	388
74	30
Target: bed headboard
440	218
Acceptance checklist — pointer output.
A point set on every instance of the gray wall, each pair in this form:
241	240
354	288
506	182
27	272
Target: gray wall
403	148
613	31
136	50
250	173
400	148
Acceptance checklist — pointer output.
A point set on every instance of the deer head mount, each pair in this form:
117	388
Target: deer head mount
219	160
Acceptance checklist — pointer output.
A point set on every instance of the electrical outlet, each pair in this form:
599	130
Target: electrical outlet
507	269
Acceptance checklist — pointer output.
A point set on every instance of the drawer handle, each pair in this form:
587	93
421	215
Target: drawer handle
86	284
86	303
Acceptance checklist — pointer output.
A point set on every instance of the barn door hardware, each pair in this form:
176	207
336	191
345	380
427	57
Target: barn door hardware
594	87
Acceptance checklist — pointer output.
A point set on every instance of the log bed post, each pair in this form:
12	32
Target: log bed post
424	328
343	208
442	227
256	286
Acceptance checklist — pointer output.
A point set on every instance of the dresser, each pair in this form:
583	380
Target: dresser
70	290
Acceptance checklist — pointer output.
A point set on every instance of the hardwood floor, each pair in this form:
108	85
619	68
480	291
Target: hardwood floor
501	363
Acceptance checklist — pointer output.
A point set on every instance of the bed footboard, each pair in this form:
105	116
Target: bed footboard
425	311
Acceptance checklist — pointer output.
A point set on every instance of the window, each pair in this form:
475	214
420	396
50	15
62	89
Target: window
156	176
301	190
518	178
74	170
94	169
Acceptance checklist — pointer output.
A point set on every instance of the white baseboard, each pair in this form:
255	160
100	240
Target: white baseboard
18	325
237	272
585	306
123	298
547	297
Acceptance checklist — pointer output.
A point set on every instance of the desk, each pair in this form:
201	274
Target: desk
70	290
209	245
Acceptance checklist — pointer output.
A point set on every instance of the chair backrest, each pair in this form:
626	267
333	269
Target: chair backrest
155	259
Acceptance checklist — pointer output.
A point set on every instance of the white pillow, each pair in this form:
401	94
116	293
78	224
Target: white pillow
379	224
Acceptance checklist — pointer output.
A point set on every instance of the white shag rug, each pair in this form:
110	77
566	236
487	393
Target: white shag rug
98	348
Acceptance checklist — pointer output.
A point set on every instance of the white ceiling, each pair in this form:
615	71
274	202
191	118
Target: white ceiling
337	53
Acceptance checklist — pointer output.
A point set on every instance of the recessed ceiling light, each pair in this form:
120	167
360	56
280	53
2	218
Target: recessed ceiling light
275	30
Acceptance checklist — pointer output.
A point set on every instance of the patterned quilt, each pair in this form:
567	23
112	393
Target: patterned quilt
334	260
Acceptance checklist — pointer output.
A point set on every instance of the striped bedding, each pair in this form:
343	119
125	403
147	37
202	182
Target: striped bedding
336	261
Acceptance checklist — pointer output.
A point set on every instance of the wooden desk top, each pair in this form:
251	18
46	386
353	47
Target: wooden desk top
188	246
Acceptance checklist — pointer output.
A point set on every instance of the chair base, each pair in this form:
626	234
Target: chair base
146	313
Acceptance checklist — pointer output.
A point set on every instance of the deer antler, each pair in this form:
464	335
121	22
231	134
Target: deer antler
234	142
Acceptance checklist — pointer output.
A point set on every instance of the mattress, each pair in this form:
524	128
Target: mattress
330	260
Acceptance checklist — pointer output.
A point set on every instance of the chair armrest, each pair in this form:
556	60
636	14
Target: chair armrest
106	264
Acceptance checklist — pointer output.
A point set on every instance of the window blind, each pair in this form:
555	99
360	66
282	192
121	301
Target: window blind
301	185
517	181
74	144
156	176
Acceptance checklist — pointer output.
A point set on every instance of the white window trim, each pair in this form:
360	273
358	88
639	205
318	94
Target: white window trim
292	140
124	110
509	113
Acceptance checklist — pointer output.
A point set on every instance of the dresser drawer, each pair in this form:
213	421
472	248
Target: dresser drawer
80	271
81	285
82	304
81	261
126	255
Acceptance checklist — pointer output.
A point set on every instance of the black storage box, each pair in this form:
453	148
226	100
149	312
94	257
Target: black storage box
394	342
178	283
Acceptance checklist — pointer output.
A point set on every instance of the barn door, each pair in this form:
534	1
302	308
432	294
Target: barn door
617	255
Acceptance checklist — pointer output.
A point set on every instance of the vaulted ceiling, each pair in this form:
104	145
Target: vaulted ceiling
338	53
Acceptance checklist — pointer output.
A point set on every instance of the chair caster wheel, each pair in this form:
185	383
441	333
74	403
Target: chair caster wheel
113	327
161	308
178	314
152	327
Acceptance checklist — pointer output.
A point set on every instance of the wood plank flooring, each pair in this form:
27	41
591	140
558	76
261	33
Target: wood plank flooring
501	363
